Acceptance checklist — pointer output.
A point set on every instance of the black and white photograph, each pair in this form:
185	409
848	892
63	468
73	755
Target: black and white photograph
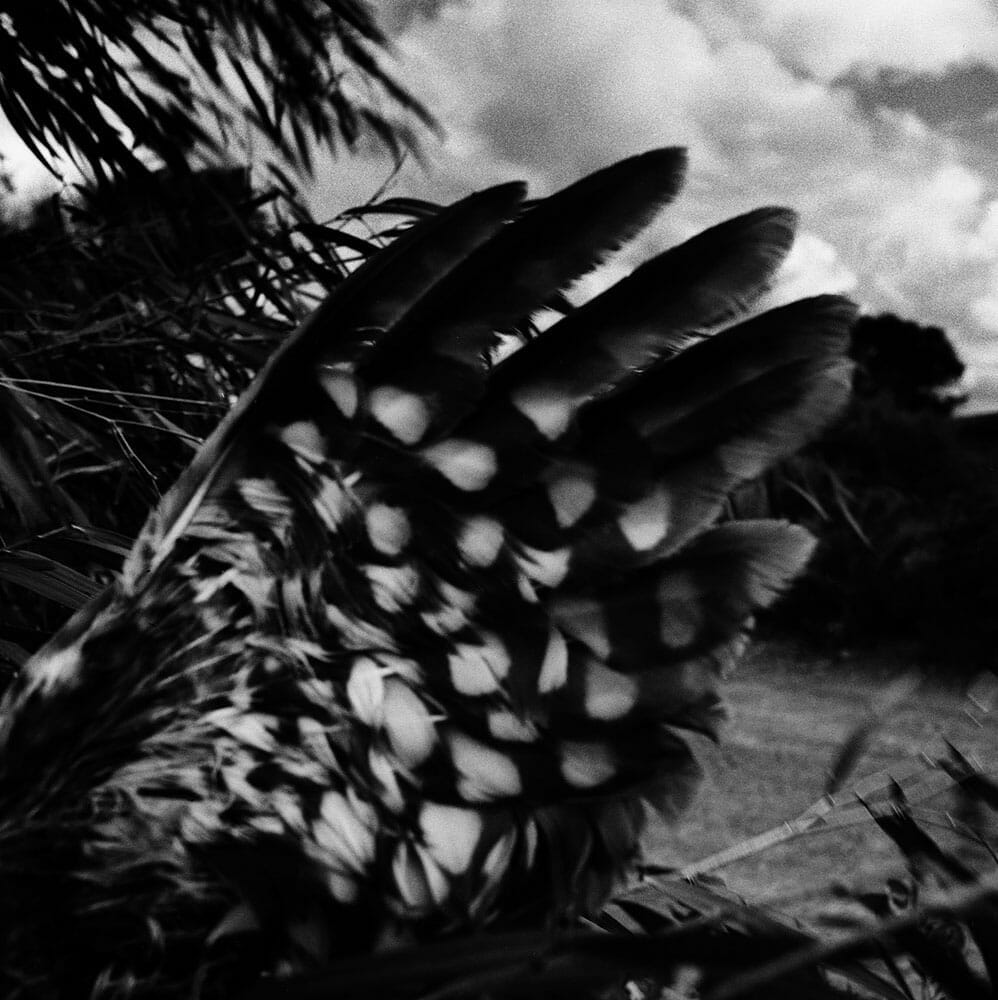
498	500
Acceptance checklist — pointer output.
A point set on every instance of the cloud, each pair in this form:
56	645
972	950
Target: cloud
777	102
827	38
766	95
30	178
813	267
892	208
547	92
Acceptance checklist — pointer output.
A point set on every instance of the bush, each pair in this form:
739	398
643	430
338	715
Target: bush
905	508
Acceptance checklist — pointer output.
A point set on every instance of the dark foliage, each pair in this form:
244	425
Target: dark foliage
122	86
905	503
129	322
916	365
908	537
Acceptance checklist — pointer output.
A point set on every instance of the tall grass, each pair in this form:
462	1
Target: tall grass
129	323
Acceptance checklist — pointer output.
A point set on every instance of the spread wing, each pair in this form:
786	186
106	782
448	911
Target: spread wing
426	629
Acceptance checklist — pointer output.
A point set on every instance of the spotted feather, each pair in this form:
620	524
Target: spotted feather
411	646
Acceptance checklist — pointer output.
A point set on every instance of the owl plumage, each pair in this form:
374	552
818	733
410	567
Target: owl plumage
411	646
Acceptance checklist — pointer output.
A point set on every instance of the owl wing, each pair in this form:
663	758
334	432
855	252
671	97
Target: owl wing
437	622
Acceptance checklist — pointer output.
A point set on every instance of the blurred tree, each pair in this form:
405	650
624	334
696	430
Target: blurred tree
917	365
904	506
133	311
129	321
121	87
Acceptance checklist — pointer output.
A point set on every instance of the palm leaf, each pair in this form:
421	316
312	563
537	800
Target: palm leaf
108	84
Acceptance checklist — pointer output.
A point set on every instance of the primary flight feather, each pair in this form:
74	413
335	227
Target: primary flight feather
411	645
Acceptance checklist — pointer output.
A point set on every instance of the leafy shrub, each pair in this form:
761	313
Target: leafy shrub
905	506
129	323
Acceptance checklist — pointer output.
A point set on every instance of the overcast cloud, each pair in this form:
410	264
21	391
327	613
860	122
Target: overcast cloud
877	121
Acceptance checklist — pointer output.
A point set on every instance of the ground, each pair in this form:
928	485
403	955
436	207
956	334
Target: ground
790	712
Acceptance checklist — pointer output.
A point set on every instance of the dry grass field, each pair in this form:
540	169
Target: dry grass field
789	715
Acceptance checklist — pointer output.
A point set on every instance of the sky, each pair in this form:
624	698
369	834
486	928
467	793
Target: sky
876	120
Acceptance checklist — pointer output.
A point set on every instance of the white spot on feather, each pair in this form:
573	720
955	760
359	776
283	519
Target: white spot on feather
341	387
264	496
646	523
318	692
384	772
287	806
250	728
388	528
421	882
305	440
445	621
408	725
548	408
403	414
263	823
506	725
554	668
366	691
530	841
393	587
330	503
494	867
315	741
451	835
571	496
480	541
345	829
469	465
500	854
608	694
586	765
341	887
484	772
240	919
526	588
462	599
452	615
479	669
547	568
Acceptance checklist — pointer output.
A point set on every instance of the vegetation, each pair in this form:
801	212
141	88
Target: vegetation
135	309
122	87
132	315
127	328
903	500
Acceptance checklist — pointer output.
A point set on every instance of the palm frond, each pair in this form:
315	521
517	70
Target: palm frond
129	322
119	87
